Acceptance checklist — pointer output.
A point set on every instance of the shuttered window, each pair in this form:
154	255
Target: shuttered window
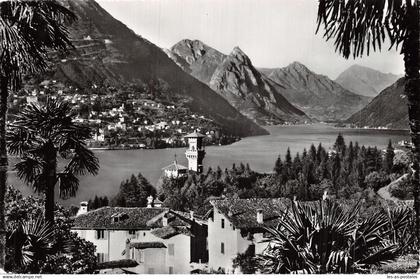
100	234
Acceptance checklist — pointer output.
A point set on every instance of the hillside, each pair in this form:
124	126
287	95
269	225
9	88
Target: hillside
365	81
388	109
235	78
109	54
317	95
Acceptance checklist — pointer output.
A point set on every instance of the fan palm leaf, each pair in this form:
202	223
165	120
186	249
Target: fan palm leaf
326	237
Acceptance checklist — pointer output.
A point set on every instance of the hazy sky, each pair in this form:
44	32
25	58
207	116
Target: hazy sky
273	33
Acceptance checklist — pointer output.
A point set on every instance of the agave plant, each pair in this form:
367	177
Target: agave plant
325	237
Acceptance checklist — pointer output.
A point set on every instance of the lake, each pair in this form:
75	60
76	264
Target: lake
260	152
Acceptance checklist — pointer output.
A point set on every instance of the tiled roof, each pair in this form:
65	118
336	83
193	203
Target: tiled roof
169	231
132	218
145	245
242	213
174	167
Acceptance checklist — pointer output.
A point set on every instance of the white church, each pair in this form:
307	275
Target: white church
195	156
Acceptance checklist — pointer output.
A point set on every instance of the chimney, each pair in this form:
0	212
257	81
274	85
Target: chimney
191	214
150	201
83	208
165	220
260	217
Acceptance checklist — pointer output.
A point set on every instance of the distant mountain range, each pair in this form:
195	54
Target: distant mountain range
365	81
317	95
235	78
228	89
388	109
261	93
109	53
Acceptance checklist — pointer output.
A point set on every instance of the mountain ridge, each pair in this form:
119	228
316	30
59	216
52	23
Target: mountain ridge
365	81
234	77
108	52
388	109
315	94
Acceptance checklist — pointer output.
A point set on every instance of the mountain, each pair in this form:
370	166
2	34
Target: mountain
250	92
365	81
317	95
235	78
196	58
108	53
388	109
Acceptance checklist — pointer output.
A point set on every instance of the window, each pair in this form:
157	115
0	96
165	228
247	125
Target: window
144	234
223	223
150	270
171	270
100	234
171	249
222	248
101	257
132	232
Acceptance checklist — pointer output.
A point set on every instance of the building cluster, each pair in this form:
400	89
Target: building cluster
164	241
130	118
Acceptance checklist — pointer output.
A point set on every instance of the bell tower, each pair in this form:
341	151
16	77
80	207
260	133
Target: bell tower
195	152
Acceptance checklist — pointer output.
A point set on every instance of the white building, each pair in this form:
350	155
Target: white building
236	225
175	170
159	239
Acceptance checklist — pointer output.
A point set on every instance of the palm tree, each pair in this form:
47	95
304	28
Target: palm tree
359	25
42	134
324	237
28	29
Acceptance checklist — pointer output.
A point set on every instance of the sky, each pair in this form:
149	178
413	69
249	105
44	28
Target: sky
273	33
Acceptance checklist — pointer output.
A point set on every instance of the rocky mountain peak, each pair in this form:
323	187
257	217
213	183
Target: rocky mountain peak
190	50
238	56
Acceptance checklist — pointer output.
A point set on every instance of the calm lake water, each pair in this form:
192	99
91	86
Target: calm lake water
260	152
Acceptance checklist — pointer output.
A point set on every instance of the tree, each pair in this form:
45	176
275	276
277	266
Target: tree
134	192
340	145
377	180
278	166
40	135
28	29
357	25
388	163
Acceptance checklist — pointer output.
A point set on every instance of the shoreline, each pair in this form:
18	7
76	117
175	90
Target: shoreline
331	125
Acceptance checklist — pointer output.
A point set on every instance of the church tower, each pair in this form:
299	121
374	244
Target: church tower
195	152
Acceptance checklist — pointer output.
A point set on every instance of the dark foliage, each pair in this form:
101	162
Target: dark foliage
134	192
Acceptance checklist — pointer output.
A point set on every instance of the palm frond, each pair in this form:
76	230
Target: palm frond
28	29
68	185
356	26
